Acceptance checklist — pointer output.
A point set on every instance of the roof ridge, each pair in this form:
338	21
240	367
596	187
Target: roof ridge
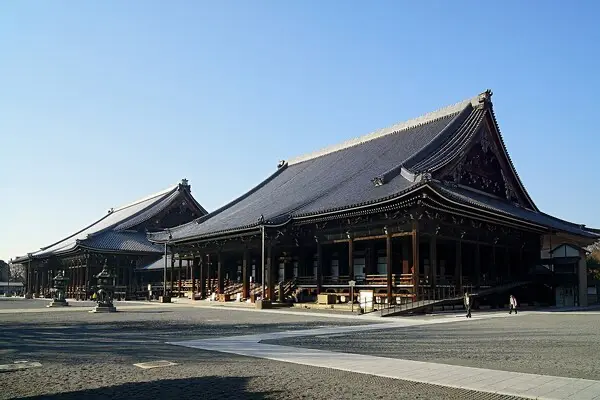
211	214
161	193
402	126
112	211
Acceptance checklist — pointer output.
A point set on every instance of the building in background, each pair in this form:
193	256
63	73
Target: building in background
117	239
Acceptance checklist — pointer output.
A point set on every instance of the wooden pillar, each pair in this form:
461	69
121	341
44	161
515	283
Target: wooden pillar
130	284
88	278
270	284
494	272
209	286
245	280
319	266
28	278
458	269
477	265
507	261
351	258
193	269
220	274
201	276
415	256
179	277
44	272
433	260
388	253
172	270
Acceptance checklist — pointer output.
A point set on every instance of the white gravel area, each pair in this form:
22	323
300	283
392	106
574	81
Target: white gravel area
557	344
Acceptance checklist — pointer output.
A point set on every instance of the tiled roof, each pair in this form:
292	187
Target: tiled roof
136	242
160	264
110	232
380	166
497	206
328	180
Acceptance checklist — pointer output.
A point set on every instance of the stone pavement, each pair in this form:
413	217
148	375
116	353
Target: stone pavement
478	379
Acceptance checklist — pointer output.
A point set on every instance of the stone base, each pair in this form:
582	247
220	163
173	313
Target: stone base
58	303
103	309
263	304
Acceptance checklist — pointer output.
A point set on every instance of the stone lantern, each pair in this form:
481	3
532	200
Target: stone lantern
58	292
104	292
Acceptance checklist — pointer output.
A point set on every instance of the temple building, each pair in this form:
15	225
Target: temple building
428	208
117	239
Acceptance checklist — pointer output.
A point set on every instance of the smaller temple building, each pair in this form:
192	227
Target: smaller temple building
118	240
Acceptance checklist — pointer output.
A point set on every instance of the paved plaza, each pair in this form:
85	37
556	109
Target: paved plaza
85	355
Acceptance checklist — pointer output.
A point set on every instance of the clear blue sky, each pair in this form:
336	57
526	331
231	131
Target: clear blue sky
102	102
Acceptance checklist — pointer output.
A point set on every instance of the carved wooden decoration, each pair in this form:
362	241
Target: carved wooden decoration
480	169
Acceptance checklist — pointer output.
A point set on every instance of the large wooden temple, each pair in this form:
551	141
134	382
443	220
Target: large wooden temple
117	239
428	208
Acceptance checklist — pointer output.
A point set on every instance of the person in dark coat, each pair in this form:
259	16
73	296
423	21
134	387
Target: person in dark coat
467	301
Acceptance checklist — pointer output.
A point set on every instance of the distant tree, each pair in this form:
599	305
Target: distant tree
3	271
17	273
593	261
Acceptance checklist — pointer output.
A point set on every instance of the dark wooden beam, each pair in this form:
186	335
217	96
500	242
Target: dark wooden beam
415	255
245	280
388	249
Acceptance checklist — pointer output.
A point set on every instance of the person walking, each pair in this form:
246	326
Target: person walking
513	304
467	300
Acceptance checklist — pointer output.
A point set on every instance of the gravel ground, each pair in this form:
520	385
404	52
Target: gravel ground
20	303
558	344
90	356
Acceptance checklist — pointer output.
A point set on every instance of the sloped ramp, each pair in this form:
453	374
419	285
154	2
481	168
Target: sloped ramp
501	288
421	305
417	306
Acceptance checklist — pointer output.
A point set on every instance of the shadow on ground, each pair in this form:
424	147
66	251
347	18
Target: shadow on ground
192	388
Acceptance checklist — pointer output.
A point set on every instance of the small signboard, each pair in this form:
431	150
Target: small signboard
149	287
352	283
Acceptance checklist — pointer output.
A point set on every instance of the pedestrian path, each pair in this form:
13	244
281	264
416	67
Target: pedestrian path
477	379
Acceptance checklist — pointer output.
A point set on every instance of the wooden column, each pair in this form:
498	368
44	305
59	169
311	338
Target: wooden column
433	260
494	272
37	280
388	253
88	277
172	270
319	266
28	278
415	256
209	286
130	284
507	260
458	269
245	280
202	277
220	274
269	273
193	269
179	277
351	258
44	272
477	265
